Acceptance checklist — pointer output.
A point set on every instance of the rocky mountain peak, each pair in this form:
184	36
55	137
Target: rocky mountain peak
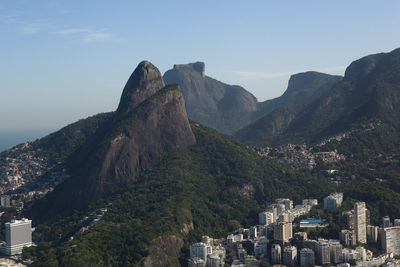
198	66
150	121
144	82
362	67
310	82
384	66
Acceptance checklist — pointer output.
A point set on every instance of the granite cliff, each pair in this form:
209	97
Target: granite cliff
229	108
150	120
211	102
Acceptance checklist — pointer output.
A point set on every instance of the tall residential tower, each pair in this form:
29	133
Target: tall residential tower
18	236
360	222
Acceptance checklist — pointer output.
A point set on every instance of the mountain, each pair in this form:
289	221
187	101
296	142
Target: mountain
228	108
152	208
302	88
211	102
150	121
165	181
58	146
367	97
210	188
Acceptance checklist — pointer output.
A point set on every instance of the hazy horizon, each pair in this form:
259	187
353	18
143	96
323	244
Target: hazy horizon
9	139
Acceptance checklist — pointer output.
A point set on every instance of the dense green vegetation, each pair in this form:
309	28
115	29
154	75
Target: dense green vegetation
371	156
59	145
217	184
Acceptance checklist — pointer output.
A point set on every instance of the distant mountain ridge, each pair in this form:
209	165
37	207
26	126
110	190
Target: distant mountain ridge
369	93
228	108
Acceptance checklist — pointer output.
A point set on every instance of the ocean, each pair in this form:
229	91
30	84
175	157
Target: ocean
9	139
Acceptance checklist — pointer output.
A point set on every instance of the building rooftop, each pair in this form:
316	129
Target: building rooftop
22	221
314	221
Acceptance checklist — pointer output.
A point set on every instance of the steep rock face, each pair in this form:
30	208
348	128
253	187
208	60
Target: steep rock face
369	92
228	108
216	104
150	121
164	252
302	88
144	82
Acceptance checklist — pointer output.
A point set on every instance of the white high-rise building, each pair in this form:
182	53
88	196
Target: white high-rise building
348	237
18	236
283	231
372	233
360	222
280	209
200	250
274	210
253	232
335	251
333	201
322	252
390	238
261	248
266	218
290	256
285	201
307	257
276	254
214	260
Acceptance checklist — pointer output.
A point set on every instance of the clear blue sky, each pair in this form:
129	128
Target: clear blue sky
65	60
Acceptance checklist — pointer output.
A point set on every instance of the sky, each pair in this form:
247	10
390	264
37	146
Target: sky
61	61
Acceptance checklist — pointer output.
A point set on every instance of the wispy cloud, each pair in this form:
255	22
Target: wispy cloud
86	34
70	31
248	75
34	27
30	27
7	19
93	36
25	26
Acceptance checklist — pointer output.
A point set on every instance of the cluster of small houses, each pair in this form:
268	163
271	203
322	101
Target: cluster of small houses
299	156
20	169
19	166
250	247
